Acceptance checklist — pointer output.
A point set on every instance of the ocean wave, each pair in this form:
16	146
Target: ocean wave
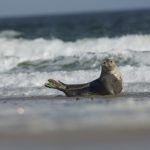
10	34
37	79
86	62
56	54
135	79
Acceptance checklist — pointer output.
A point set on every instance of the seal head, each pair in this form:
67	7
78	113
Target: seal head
110	67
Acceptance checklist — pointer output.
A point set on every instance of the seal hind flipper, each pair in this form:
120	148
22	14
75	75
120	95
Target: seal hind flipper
55	85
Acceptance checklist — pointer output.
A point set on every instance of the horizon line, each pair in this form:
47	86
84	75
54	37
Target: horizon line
73	13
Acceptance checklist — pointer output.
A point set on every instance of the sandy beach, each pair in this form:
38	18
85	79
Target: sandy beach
59	122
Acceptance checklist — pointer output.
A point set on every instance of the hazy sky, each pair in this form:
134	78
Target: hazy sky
28	7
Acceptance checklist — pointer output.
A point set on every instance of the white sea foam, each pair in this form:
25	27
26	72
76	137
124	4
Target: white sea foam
14	51
135	80
133	50
36	79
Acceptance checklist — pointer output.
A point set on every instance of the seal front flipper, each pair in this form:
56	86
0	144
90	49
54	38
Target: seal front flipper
55	85
108	84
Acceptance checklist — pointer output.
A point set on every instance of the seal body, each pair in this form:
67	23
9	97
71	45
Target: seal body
109	83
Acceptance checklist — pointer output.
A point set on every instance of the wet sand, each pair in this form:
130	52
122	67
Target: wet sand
59	122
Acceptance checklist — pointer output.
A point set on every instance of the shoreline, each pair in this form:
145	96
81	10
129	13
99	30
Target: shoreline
63	97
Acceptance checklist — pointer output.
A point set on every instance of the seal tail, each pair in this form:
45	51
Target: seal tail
55	85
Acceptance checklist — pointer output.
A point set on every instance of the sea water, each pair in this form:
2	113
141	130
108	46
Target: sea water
71	48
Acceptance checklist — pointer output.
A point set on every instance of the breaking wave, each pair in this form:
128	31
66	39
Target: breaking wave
29	63
55	54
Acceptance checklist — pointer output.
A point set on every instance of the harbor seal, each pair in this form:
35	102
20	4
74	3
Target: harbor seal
109	82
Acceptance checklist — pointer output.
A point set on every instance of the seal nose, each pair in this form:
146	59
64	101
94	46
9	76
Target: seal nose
107	64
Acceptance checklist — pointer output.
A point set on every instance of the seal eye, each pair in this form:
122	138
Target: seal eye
104	62
111	61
